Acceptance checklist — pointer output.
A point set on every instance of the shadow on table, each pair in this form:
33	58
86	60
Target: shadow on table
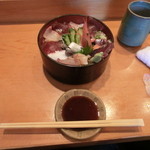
121	130
85	146
145	145
96	84
31	131
129	48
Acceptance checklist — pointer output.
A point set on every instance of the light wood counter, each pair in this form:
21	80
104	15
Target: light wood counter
29	94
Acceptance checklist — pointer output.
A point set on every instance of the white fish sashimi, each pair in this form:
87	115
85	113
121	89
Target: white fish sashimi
144	55
74	47
75	26
58	55
51	35
83	59
75	60
146	79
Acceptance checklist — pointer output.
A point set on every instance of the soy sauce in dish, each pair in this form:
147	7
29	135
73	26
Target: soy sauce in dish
79	108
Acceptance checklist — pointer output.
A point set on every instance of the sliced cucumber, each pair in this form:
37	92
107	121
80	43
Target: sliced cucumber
66	39
97	57
72	35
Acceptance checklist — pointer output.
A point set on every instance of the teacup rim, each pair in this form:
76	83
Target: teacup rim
140	16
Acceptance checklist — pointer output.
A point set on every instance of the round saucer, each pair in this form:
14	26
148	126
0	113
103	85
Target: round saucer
79	134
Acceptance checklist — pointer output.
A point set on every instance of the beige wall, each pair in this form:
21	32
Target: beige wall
34	11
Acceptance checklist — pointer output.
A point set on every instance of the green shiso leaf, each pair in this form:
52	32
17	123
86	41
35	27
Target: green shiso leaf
86	50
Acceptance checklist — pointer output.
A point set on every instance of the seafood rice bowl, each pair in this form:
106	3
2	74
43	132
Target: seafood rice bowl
75	48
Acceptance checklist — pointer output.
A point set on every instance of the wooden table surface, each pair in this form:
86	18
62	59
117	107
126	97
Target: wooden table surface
35	11
29	94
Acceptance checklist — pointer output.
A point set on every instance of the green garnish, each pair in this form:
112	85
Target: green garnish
100	35
66	39
72	34
97	57
78	35
86	50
